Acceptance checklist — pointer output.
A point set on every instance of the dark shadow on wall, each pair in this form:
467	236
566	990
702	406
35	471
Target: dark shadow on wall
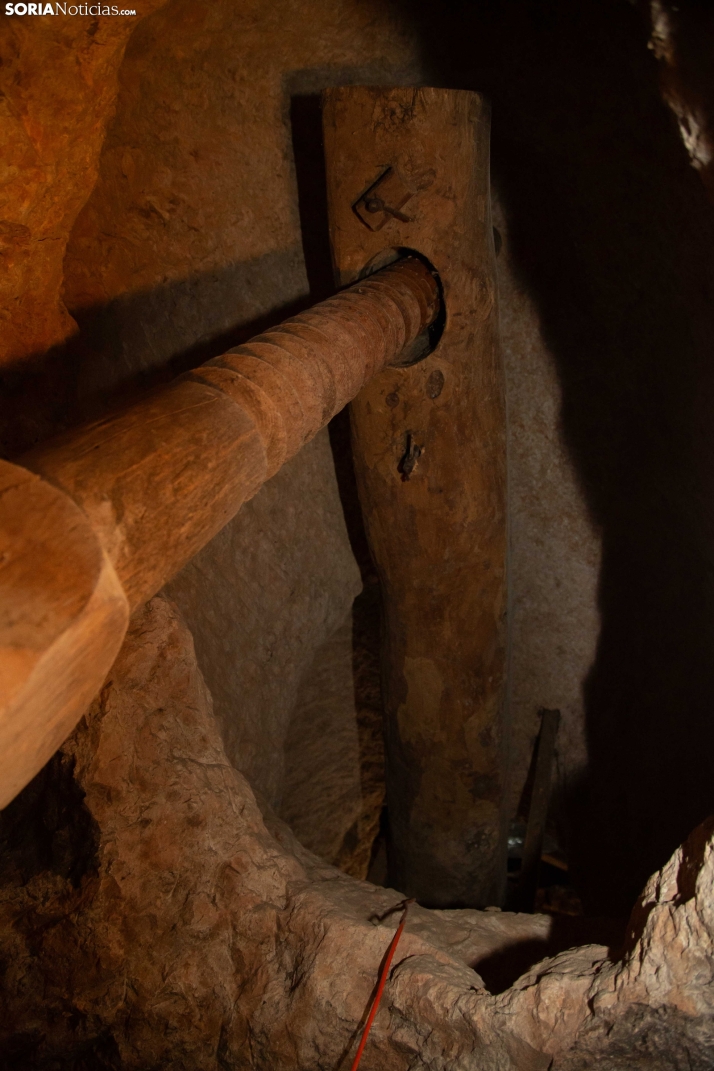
309	157
614	239
311	179
499	970
141	340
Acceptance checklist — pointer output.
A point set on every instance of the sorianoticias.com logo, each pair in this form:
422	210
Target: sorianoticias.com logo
65	9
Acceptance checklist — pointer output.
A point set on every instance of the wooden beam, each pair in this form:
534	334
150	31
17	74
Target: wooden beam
409	168
63	615
96	521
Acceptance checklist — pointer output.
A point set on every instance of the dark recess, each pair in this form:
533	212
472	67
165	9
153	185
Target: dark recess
48	827
613	236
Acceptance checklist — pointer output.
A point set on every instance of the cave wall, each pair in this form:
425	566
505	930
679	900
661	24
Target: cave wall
168	923
167	227
153	217
183	236
193	228
263	600
555	548
59	81
682	41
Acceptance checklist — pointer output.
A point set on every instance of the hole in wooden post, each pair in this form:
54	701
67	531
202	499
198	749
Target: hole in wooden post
425	343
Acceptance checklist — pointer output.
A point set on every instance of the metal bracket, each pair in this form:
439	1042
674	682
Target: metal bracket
384	199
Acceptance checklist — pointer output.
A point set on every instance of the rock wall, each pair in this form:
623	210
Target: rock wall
165	926
555	549
159	170
334	790
193	229
59	81
682	40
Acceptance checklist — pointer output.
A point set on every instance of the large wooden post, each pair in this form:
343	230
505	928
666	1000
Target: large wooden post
409	168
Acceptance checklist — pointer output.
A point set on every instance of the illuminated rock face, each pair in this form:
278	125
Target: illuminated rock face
190	936
149	915
167	926
59	81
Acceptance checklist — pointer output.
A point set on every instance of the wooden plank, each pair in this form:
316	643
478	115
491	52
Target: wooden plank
430	457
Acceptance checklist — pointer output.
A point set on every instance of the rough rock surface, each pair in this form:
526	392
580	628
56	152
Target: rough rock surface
681	39
270	590
167	927
555	553
192	938
654	1007
58	83
334	753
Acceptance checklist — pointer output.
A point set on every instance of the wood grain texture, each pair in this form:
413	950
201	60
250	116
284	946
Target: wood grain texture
160	479
63	616
430	455
125	502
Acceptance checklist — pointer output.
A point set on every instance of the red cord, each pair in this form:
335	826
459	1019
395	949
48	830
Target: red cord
380	987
